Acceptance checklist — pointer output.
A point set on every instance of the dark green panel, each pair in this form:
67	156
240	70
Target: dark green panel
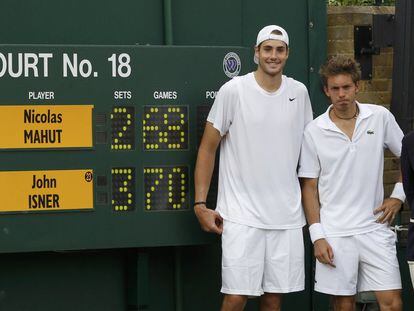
202	265
317	30
161	279
213	22
81	22
133	279
62	281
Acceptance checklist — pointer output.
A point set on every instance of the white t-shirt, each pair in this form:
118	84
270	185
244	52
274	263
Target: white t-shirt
349	171
262	134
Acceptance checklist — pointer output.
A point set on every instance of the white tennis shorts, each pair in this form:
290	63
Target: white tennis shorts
364	262
255	260
411	266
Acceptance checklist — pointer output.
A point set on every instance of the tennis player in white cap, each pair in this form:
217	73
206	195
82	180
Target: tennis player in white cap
258	120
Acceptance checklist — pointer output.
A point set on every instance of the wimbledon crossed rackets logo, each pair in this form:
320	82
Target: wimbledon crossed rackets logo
231	64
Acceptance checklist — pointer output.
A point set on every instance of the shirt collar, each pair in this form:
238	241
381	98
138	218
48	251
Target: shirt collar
326	123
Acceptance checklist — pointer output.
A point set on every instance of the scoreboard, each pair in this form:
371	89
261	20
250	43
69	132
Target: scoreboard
98	143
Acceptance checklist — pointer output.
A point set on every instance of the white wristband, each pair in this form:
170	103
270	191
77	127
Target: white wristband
398	192
316	232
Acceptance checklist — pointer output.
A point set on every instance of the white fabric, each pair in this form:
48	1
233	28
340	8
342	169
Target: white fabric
258	183
349	171
411	266
398	192
316	232
266	34
258	260
364	262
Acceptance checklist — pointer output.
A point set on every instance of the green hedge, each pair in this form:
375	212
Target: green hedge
359	2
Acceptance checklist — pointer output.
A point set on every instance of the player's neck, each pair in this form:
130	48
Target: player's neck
267	82
348	114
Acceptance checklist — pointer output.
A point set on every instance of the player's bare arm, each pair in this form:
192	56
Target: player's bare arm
391	206
310	200
210	220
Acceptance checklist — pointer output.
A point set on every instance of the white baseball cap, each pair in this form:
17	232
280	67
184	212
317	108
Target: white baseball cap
266	34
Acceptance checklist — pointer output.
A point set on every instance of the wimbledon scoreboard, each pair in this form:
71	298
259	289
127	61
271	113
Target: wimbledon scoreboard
98	144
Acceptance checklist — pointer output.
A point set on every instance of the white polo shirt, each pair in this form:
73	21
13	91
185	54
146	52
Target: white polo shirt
350	171
259	153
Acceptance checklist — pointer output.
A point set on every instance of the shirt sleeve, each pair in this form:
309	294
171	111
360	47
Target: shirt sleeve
393	134
309	165
222	112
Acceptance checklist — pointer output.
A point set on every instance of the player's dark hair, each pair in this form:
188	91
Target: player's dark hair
337	65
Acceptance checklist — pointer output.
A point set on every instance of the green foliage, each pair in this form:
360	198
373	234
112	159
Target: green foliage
359	2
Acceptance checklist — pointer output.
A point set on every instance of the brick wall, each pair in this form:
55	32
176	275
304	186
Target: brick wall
341	22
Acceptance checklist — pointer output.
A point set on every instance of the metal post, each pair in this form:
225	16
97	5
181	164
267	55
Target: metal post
402	104
178	279
168	28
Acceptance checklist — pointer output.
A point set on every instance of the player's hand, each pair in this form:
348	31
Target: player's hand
323	252
389	208
210	220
